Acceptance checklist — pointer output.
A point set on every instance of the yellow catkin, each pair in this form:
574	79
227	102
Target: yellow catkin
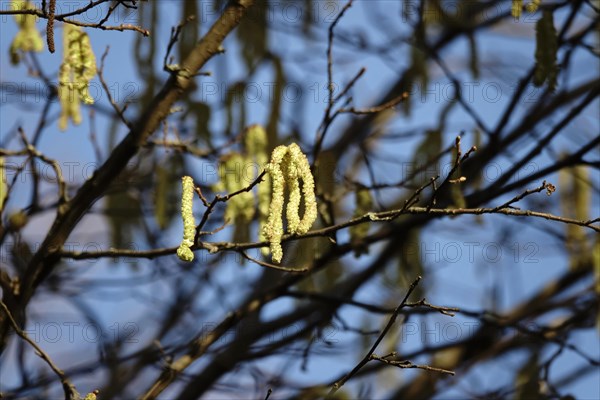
533	6
78	68
27	38
517	8
184	252
233	176
290	175
308	189
273	230
289	165
256	143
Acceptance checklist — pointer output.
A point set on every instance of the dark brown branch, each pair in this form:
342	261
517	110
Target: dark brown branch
44	260
214	247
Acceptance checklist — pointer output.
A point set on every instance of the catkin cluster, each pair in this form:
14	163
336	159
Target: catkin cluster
184	252
287	167
233	174
78	68
28	38
256	143
237	171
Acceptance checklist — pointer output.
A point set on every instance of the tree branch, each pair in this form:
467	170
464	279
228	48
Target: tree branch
68	216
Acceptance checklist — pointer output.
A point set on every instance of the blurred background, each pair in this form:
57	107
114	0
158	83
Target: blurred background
525	287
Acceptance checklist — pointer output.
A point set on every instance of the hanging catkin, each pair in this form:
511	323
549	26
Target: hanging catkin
287	167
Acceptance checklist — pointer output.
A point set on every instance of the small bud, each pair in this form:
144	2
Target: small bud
17	221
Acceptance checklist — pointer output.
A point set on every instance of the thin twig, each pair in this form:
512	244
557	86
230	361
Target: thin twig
274	266
408	364
175	32
337	385
350	84
374	110
115	106
60	181
548	187
330	86
457	163
62	18
215	247
268	394
120	28
449	311
223	199
414	198
7	194
68	387
328	118
426	307
413	174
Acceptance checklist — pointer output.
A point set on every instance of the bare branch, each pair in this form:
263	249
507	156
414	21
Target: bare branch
68	387
337	385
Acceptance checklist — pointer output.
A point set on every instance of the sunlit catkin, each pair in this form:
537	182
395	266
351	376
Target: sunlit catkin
302	171
273	230
27	38
78	68
184	252
289	165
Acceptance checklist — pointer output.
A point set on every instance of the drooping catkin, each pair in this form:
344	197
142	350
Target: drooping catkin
184	252
233	176
256	143
287	167
78	68
533	5
273	230
27	38
516	8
